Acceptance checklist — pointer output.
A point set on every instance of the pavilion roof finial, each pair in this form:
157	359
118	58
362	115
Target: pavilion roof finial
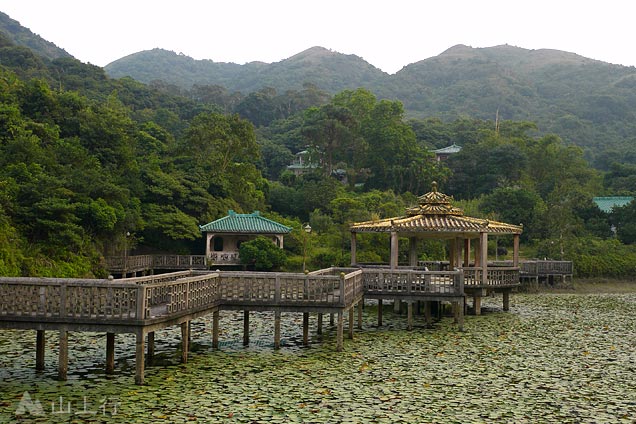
434	203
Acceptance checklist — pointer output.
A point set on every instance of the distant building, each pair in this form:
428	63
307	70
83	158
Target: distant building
606	204
225	235
302	164
443	153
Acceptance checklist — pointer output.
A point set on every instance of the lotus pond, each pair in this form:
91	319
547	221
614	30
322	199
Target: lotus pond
553	358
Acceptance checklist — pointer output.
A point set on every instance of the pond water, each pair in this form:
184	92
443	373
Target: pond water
552	358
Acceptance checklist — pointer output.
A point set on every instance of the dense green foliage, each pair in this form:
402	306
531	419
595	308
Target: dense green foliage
92	166
587	103
261	254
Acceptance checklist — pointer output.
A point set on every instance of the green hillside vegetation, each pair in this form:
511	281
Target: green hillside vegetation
92	166
586	102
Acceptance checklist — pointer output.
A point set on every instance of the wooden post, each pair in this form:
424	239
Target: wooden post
139	358
394	250
413	251
506	300
379	312
466	252
151	345
409	314
353	249
62	366
319	330
339	336
360	306
396	306
184	342
277	329
484	258
246	328
215	329
331	319
428	316
305	328
350	335
460	314
477	303
40	342
110	353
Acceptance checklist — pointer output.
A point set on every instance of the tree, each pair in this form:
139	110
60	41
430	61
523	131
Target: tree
262	254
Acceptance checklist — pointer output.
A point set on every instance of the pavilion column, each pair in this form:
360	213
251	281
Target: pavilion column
459	244
353	249
452	250
466	252
478	254
484	257
394	250
515	250
413	251
207	244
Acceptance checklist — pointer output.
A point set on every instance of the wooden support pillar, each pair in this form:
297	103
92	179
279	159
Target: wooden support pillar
40	342
484	258
62	366
466	252
428	316
139	358
246	328
331	320
409	314
397	306
184	342
460	315
339	334
215	329
319	330
413	251
350	323
276	329
353	249
110	353
379	312
305	328
506	300
151	345
477	303
360	306
394	250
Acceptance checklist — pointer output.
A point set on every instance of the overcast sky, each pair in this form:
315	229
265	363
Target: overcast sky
387	34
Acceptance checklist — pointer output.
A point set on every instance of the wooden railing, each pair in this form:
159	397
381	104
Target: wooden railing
265	288
148	262
225	257
495	277
183	295
546	267
414	282
63	299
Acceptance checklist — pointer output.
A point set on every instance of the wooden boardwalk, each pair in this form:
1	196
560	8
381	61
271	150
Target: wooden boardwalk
143	305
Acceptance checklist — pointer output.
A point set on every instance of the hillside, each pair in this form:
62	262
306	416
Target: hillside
329	70
587	102
22	36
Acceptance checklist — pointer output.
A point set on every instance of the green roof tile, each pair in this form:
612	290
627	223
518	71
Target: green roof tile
251	223
606	204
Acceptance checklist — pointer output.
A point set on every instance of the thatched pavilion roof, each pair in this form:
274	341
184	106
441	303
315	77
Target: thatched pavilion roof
435	214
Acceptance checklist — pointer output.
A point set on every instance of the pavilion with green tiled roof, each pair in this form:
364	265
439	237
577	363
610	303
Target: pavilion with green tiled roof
225	235
606	204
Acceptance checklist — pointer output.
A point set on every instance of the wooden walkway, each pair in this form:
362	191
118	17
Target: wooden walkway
143	305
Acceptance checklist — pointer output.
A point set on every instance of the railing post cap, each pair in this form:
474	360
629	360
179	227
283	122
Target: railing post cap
110	277
306	272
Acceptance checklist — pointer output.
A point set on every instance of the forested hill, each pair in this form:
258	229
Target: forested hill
19	35
329	70
587	102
